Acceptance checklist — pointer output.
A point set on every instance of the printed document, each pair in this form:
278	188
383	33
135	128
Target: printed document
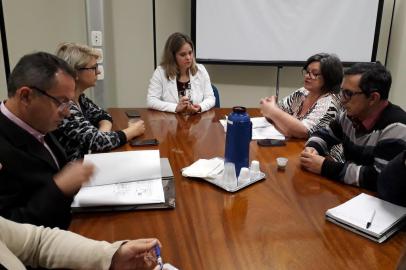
123	178
261	129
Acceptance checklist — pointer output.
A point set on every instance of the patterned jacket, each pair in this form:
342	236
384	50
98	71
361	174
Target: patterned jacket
79	132
319	115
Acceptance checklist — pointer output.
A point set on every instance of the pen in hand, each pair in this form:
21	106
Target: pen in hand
158	256
371	219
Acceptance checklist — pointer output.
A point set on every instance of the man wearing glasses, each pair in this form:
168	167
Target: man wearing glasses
371	129
35	185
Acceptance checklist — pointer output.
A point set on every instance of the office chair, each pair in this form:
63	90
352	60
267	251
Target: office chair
216	94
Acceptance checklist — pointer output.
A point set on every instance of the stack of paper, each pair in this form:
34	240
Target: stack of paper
368	216
122	178
261	129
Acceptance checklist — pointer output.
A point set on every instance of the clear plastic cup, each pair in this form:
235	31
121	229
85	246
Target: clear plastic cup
244	176
254	170
229	176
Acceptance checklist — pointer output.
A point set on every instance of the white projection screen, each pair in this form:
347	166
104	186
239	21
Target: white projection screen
285	31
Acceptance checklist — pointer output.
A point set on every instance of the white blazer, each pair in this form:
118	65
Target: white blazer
163	93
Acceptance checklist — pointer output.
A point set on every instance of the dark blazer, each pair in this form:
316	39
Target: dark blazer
28	193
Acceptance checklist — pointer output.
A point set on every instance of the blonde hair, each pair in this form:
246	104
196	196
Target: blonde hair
76	55
172	46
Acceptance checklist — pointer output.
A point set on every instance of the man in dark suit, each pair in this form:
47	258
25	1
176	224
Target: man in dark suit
36	184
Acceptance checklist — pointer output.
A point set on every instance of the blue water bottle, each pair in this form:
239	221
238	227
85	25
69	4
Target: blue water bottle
238	138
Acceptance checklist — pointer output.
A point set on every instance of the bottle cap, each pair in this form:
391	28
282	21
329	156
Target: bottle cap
281	162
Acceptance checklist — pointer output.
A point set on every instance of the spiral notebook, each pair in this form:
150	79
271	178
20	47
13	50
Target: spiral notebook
369	216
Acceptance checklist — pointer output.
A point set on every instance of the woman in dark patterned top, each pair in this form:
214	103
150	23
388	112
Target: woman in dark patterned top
313	106
88	128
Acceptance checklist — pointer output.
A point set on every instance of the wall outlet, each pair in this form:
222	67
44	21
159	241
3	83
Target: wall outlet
100	60
96	38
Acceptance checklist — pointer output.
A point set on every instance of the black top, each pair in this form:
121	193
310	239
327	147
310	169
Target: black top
182	86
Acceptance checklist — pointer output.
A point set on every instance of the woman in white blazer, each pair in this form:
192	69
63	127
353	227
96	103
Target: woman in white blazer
180	85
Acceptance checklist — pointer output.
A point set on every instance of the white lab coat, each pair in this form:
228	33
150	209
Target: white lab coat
163	93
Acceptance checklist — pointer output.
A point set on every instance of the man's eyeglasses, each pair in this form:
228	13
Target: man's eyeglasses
312	75
95	68
348	94
61	105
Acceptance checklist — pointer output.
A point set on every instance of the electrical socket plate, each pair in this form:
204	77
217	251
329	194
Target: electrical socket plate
96	38
100	76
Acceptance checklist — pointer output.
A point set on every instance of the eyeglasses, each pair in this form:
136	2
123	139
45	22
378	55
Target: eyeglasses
348	94
94	68
312	75
65	105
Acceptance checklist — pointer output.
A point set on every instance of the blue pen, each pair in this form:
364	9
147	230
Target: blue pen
158	256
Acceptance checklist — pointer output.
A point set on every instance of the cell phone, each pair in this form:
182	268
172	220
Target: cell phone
132	114
144	142
270	142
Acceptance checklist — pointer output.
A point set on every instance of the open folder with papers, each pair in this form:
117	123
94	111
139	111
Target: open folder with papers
369	216
121	191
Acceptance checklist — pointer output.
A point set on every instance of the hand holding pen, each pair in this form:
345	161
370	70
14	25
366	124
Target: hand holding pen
158	257
160	265
135	254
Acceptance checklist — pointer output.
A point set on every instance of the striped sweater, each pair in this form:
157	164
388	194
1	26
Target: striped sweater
366	153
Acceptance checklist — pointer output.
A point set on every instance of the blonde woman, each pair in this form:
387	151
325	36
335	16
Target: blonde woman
179	84
88	128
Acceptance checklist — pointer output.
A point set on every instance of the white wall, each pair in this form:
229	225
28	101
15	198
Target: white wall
42	24
39	26
131	37
397	56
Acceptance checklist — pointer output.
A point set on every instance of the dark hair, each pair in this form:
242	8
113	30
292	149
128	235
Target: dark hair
172	46
374	78
331	69
37	69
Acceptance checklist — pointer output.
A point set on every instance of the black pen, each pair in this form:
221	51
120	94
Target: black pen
371	219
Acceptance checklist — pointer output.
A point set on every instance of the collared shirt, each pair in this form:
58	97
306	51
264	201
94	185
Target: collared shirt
35	133
370	121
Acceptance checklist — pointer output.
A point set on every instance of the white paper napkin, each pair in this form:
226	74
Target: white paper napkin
204	168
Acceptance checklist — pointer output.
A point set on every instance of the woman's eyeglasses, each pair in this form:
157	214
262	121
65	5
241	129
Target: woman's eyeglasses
94	68
65	105
312	75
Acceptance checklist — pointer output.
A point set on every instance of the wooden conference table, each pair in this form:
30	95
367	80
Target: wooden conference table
277	223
